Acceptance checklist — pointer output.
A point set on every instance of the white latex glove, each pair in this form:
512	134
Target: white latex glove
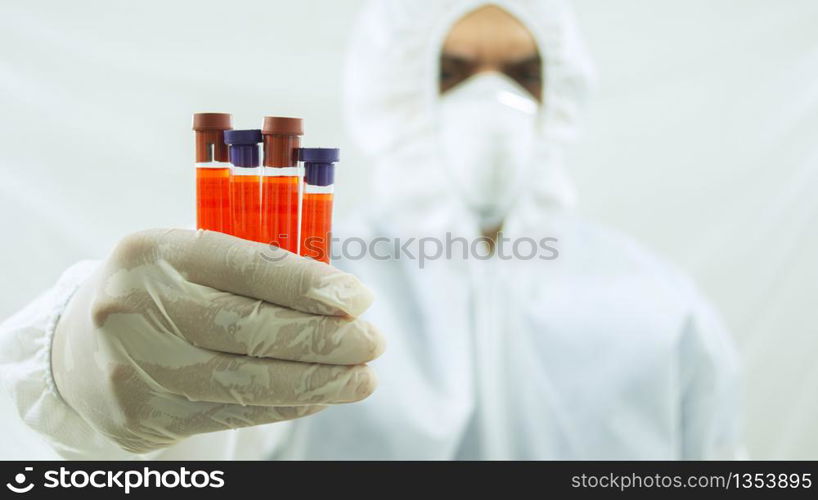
183	332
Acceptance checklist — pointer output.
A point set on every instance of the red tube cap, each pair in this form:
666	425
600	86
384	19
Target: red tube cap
279	125
212	121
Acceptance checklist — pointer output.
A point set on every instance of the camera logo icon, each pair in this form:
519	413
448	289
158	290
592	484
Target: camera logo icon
20	479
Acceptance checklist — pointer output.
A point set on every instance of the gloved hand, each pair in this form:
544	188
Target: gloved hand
183	332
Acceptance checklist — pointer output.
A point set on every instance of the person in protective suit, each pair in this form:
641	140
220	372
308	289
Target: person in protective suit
553	338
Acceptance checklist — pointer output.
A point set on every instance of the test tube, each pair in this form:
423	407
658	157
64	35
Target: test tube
280	181
212	171
316	210
245	188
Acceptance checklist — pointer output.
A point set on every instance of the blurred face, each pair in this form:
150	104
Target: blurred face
490	39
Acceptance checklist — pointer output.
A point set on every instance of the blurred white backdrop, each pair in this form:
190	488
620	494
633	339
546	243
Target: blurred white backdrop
702	141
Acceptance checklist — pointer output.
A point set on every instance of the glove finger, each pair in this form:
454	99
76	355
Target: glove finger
250	269
237	416
224	322
198	374
182	419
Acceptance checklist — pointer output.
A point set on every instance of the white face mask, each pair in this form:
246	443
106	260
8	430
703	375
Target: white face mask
487	129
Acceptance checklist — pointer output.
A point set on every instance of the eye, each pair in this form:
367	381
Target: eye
453	70
529	77
447	74
528	74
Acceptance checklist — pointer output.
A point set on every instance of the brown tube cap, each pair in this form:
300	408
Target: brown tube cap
212	121
279	125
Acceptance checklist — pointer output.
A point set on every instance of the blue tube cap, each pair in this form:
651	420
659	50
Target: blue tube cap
319	155
242	137
319	165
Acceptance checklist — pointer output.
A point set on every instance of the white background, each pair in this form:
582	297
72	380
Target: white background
702	141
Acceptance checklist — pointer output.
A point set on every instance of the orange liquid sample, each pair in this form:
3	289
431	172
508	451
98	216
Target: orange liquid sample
316	224
213	199
245	201
279	213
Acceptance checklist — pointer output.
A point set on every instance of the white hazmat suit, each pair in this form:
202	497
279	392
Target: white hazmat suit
602	353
